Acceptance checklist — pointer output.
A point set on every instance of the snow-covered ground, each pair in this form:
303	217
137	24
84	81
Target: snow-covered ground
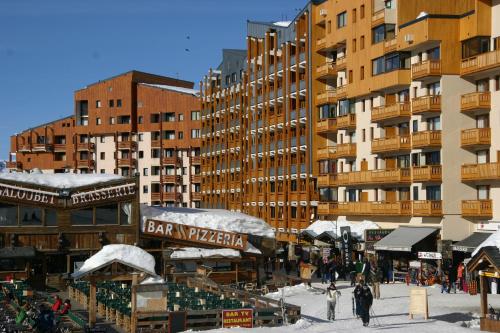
447	312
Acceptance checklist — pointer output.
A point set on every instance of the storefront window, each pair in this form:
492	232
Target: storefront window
106	214
50	217
8	214
82	216
30	215
126	213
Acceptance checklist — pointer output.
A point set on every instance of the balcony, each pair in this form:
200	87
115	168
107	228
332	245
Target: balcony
84	164
428	208
371	208
170	179
85	146
477	208
391	145
329	180
327	97
60	147
475	102
391	81
475	137
327	208
346	150
195	160
196	196
400	176
126	162
321	44
326	126
424	70
171	196
155	196
171	160
483	171
427	173
390	45
14	165
480	63
347	121
327	153
396	111
127	145
42	147
24	148
341	63
426	104
326	71
426	139
195	178
155	143
342	92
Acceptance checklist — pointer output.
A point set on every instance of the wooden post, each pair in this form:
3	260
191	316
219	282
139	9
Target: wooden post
68	263
92	303
133	309
484	295
236	273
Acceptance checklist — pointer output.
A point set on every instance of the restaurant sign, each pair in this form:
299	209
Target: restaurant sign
374	235
33	196
195	234
237	318
103	194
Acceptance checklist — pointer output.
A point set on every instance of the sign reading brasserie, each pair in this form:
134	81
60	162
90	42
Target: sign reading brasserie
27	194
237	318
107	193
195	234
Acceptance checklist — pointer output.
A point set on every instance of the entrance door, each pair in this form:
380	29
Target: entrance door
363	197
390	164
364	165
390	196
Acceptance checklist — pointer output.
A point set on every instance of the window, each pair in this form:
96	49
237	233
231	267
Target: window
30	215
82	216
434	124
483	192
112	120
434	54
98	104
98	121
180	135
362	11
354	15
393	61
180	117
106	214
140	119
383	32
195	133
184	188
362	43
233	77
140	137
102	171
433	193
169	117
475	46
329	27
363	136
145	189
195	115
434	88
103	155
354	45
111	103
102	139
141	154
388	4
351	76
140	104
362	73
415	125
118	103
341	20
228	79
372	133
145	171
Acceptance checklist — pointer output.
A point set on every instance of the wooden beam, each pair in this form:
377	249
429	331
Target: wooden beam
484	295
92	303
133	310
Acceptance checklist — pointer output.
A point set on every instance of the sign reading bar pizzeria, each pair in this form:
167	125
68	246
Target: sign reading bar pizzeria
195	234
237	318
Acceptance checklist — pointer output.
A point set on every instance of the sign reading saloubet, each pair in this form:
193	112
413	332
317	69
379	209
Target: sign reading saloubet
195	234
26	194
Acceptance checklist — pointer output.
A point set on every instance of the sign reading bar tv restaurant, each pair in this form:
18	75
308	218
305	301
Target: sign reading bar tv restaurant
195	234
237	318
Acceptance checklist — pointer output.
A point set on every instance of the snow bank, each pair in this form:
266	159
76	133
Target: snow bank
126	254
282	23
153	280
197	253
289	291
493	240
59	180
216	219
174	88
357	228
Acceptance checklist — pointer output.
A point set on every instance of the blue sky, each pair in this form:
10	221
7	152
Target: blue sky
50	48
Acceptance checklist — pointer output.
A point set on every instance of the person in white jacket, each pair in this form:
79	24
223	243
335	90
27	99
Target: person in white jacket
332	295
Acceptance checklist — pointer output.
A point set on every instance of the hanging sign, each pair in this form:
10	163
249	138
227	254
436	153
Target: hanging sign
104	194
237	318
430	255
32	196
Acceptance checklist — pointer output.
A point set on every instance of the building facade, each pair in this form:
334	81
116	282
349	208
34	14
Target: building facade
134	123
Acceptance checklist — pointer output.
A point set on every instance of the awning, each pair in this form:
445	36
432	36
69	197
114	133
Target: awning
327	237
24	252
403	238
308	235
470	243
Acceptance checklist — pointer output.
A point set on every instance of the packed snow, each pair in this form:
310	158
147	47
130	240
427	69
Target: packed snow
357	228
183	90
197	253
126	254
153	280
59	180
282	23
493	240
216	219
448	313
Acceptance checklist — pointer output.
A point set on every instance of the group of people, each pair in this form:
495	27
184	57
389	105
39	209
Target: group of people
45	318
453	278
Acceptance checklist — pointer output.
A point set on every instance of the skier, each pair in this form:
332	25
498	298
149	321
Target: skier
332	294
365	299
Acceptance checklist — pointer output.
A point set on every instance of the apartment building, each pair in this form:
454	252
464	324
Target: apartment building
257	127
406	127
130	124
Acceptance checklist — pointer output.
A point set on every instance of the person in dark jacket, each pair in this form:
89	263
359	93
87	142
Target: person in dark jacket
386	267
45	321
452	276
364	298
352	273
366	270
332	270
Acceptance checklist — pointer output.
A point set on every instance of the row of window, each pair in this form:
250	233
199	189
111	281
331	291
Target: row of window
111	103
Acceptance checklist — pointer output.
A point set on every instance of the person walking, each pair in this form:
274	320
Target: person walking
332	294
386	266
352	273
323	269
452	276
365	298
460	276
376	279
332	270
366	270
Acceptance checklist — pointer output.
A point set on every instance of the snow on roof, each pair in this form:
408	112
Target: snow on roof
357	228
183	90
59	180
493	240
153	280
282	23
197	253
422	14
129	255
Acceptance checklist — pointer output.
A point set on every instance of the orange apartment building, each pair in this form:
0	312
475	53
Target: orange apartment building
130	124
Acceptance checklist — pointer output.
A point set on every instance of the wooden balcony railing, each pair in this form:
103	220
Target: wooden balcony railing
155	143
346	150
476	101
195	196
126	162
475	137
329	180
195	160
426	69
427	173
84	164
195	178
171	196
347	121
426	104
321	43
327	97
42	147
341	63
327	153
170	179
327	208
14	165
156	196
326	126
374	177
398	208
85	146
477	208
428	208
59	147
481	62
171	160
342	92
127	145
394	144
326	70
426	139
398	110
483	171
378	17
